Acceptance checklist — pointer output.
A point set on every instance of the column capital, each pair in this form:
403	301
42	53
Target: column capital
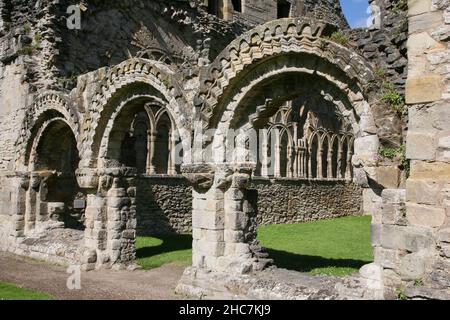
200	175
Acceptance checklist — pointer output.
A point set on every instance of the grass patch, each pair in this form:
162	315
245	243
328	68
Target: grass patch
333	247
153	252
12	292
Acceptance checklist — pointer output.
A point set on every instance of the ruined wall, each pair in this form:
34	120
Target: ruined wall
415	238
163	205
256	12
294	201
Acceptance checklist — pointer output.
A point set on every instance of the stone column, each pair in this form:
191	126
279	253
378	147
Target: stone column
319	163
31	200
264	155
330	163
19	184
277	157
224	219
151	151
121	221
207	216
94	232
348	170
172	155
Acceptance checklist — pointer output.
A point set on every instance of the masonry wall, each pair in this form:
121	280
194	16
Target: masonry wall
415	237
163	205
294	201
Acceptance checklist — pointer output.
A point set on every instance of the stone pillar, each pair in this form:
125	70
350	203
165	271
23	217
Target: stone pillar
264	155
172	155
121	221
319	163
224	219
111	220
277	164
151	151
330	162
95	232
19	184
31	201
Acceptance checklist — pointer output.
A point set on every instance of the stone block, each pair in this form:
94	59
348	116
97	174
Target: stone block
234	205
387	258
424	216
443	152
232	236
196	233
372	204
420	146
207	220
209	248
388	177
393	237
444	235
424	89
236	220
366	148
118	202
117	193
129	234
422	191
416	7
430	170
427	21
375	234
213	235
416	239
413	266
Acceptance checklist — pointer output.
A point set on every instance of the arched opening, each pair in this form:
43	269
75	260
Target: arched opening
284	158
162	145
334	158
283	9
344	154
237	5
313	156
58	195
213	7
324	156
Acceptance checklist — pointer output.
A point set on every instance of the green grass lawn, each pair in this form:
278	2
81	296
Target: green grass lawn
153	252
13	292
334	247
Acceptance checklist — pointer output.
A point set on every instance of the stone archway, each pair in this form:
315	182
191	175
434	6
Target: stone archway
244	87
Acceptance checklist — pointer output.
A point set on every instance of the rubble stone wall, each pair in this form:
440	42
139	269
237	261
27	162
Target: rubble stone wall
294	201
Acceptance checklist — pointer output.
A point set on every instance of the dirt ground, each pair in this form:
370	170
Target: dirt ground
156	284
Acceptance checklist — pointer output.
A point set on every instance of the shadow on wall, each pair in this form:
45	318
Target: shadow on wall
163	206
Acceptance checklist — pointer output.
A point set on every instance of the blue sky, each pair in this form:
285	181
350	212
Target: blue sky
356	12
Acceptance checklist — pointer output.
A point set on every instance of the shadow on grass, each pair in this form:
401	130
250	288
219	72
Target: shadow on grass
305	263
170	243
282	259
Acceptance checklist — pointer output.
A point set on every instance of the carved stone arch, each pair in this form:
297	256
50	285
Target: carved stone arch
45	107
38	137
138	76
277	38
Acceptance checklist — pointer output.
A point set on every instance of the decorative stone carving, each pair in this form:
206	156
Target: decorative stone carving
201	176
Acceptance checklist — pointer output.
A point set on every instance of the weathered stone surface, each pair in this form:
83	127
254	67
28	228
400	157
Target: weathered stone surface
424	89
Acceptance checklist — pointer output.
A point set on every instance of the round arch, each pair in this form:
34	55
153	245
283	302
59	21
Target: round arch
136	77
43	110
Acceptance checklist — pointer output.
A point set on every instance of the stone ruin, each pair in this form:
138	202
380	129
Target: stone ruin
103	136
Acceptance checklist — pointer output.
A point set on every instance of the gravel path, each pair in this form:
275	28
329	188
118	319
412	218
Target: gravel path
156	284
